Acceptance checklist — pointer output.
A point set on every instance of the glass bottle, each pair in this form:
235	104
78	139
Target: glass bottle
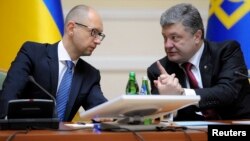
132	85
144	86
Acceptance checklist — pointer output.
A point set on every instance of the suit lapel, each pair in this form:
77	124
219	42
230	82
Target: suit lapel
53	66
206	66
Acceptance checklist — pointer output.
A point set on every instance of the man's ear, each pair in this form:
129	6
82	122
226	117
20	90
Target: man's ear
197	36
70	28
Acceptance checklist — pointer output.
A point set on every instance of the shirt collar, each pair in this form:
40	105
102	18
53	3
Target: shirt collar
195	60
63	54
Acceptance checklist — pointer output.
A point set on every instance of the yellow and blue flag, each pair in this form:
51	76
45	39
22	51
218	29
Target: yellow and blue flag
23	20
230	19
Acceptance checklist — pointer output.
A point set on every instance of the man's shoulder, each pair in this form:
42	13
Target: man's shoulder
222	44
223	48
28	43
37	44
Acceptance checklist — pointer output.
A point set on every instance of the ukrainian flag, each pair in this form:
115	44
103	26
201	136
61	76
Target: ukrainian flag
230	19
33	20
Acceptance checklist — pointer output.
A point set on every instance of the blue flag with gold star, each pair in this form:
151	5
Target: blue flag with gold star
230	19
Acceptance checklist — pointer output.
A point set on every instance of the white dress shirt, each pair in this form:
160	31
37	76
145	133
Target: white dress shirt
62	57
195	60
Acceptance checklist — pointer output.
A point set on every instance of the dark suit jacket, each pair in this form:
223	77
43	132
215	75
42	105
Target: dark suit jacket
222	90
41	61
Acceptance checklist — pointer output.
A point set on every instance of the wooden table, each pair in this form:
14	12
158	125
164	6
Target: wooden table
91	135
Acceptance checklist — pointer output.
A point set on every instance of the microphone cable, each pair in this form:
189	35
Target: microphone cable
12	136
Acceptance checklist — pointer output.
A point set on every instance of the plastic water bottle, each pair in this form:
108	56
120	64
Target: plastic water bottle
144	86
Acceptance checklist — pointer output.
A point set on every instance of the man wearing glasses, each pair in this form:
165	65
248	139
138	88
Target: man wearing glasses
50	63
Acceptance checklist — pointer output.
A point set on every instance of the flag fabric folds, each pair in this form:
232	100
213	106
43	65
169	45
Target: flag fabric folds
230	19
23	20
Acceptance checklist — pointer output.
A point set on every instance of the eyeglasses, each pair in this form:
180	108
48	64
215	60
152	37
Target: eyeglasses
94	32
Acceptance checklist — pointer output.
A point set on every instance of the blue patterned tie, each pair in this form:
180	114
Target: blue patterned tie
64	90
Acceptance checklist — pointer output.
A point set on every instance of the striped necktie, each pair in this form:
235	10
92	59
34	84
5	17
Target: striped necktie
64	90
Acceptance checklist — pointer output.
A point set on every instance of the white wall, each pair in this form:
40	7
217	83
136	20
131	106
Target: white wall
133	38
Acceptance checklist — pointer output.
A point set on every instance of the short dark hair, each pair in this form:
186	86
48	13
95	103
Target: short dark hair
186	14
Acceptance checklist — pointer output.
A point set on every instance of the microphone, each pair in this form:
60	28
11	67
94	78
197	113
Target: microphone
31	78
241	74
32	113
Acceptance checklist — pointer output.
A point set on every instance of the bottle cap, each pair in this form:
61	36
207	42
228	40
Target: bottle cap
132	73
144	78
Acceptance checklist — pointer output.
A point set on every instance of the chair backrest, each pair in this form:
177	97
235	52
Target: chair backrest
2	77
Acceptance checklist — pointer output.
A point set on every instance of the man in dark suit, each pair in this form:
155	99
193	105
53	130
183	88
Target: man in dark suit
215	66
47	64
